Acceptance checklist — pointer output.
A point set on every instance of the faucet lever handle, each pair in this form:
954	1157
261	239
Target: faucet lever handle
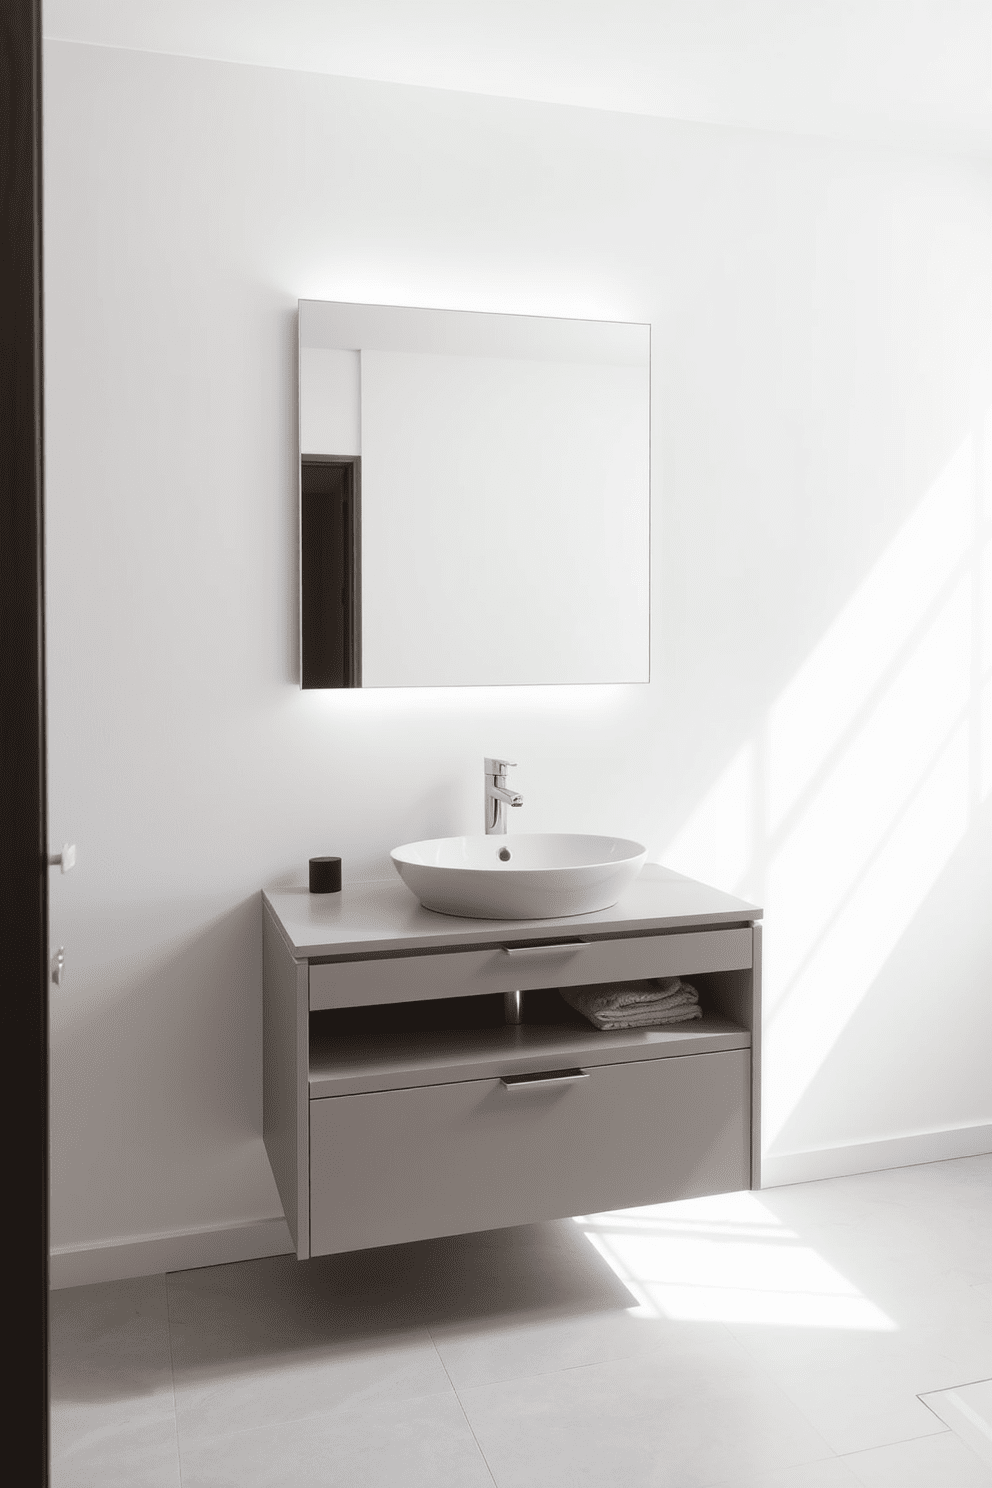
499	766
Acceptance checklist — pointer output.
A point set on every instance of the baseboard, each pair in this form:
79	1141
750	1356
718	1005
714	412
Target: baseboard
778	1169
175	1250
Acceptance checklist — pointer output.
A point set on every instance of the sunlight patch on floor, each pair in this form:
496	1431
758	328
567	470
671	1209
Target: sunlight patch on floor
726	1259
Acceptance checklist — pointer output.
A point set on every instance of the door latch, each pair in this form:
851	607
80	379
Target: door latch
65	859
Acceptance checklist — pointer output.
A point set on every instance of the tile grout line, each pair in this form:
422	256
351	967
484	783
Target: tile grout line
976	1423
833	1455
319	1415
172	1375
461	1406
903	1441
759	1365
948	1389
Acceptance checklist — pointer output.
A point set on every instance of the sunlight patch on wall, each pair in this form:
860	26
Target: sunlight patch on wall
726	1259
900	753
839	681
843	960
983	742
842	812
876	760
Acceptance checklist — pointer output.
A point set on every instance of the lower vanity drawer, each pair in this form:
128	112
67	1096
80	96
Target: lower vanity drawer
410	1164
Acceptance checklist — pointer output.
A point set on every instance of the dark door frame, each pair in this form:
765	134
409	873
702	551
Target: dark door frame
23	814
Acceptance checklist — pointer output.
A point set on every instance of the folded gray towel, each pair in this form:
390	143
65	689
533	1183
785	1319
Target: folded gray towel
647	1020
654	992
635	1004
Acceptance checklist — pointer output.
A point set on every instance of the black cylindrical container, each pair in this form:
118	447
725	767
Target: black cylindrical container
325	875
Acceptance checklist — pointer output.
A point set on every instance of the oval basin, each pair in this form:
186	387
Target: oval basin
533	876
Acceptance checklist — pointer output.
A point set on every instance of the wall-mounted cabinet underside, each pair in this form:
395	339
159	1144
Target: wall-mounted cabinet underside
400	1106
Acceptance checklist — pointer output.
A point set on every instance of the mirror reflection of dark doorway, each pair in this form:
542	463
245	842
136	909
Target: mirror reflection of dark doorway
330	632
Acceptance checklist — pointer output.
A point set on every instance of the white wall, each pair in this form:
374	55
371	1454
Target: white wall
814	736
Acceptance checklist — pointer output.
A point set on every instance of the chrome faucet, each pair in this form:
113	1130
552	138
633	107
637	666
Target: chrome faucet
497	796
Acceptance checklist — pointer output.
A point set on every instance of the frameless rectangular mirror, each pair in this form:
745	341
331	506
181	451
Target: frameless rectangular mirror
474	498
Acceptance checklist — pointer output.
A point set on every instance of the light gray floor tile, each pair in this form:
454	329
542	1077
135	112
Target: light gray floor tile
858	1390
916	1268
966	1344
638	1422
633	1363
967	1410
117	1453
269	1389
930	1462
885	1238
905	1242
269	1341
485	1352
280	1299
110	1356
553	1310
828	1474
937	1302
423	1443
274	1340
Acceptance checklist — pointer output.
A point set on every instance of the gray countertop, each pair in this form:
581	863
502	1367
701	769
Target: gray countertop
370	918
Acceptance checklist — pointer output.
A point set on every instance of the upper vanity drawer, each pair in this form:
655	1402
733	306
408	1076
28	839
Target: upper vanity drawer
498	969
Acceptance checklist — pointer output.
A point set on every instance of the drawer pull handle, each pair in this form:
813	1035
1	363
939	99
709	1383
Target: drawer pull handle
553	1077
546	950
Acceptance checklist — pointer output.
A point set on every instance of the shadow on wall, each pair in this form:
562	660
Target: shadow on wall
860	818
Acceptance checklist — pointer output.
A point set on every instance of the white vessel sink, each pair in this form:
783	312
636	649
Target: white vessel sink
533	876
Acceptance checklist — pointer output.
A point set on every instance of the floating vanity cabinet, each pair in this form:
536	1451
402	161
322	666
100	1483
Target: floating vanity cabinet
399	1105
